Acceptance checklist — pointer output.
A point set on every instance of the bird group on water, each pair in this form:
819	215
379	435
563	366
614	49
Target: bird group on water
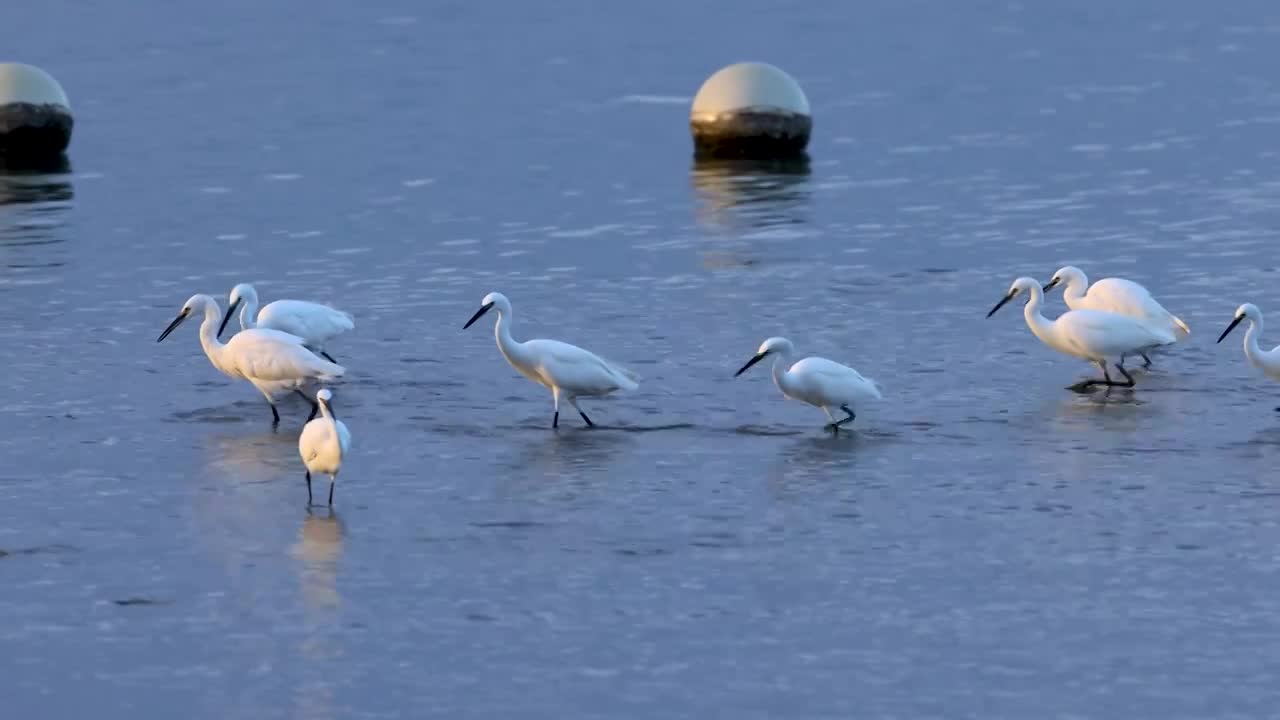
280	349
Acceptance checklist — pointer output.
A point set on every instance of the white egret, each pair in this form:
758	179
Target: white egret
273	361
1116	295
323	443
1093	335
567	370
1268	361
817	381
316	324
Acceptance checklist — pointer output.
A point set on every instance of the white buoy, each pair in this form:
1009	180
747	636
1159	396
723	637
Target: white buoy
35	115
751	110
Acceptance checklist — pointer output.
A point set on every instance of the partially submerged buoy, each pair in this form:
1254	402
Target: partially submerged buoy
750	110
35	115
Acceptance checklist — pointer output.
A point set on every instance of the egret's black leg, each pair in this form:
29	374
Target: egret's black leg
308	488
586	419
315	406
1146	361
1127	377
328	357
1105	381
848	412
555	420
275	415
330	493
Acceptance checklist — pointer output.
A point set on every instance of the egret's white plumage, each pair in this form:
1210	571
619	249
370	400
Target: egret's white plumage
316	324
1268	361
1116	295
274	362
323	443
567	370
817	381
1094	335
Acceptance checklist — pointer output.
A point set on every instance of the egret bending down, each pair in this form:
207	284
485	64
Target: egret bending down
569	371
275	362
817	381
323	443
1093	335
1116	295
1268	361
316	324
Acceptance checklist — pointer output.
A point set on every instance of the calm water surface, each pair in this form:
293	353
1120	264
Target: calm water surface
986	544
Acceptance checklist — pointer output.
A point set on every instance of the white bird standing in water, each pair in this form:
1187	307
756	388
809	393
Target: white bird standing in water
1093	335
275	362
323	443
1116	295
1268	361
316	324
817	381
567	370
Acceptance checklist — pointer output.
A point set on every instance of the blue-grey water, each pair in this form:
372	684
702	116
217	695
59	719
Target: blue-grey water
985	545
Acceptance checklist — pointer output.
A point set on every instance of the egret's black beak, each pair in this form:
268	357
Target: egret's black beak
755	359
231	311
483	309
174	325
1000	304
1230	327
1051	285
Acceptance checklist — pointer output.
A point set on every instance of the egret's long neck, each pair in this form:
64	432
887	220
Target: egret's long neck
248	313
1039	324
513	351
1256	355
1077	288
782	363
209	334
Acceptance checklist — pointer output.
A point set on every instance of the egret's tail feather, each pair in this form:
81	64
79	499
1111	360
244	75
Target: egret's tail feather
627	380
330	371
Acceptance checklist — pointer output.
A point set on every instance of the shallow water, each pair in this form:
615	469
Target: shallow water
986	544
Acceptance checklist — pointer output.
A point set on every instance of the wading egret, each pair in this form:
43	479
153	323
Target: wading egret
1093	335
817	381
275	362
1116	295
569	371
1268	361
316	324
323	443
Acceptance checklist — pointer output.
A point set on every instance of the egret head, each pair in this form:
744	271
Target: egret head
194	304
1247	311
490	301
1069	275
1021	285
324	395
774	345
242	293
